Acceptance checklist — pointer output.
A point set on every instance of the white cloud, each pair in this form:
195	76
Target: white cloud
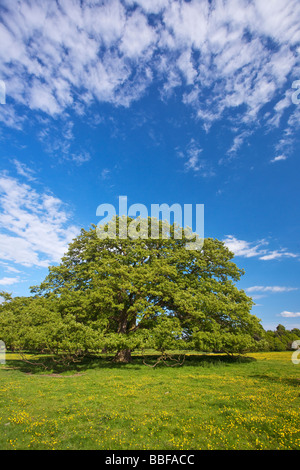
186	66
193	161
8	268
287	314
149	6
278	254
23	170
54	52
80	157
8	281
243	248
257	297
193	156
273	289
278	19
42	98
10	117
138	36
283	104
105	173
257	249
279	158
238	141
233	55
34	228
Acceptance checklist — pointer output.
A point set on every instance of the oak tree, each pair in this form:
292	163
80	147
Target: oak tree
122	288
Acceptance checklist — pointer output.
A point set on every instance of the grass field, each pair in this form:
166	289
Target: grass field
212	402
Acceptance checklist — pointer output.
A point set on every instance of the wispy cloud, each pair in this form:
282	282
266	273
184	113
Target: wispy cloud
257	249
235	55
279	158
193	161
8	268
23	170
105	173
244	248
238	142
34	228
287	314
272	289
193	157
8	281
278	254
80	157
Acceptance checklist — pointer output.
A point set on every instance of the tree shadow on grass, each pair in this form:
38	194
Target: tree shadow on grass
47	365
205	360
217	359
294	382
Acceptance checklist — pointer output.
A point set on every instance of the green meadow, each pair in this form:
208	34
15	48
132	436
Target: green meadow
211	402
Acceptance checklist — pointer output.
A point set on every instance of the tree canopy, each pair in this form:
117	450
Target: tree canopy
118	294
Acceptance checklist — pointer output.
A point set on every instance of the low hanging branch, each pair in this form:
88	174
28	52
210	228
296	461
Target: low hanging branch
66	359
164	358
24	358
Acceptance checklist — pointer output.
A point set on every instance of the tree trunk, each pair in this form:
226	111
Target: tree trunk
123	356
125	326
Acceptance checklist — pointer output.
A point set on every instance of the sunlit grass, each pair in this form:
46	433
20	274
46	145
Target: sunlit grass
209	403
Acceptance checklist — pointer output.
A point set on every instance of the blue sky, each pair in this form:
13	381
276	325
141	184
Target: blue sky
189	102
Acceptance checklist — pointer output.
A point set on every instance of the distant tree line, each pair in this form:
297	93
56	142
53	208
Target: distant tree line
281	339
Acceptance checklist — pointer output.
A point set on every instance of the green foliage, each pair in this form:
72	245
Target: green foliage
238	342
36	323
122	294
281	339
166	334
